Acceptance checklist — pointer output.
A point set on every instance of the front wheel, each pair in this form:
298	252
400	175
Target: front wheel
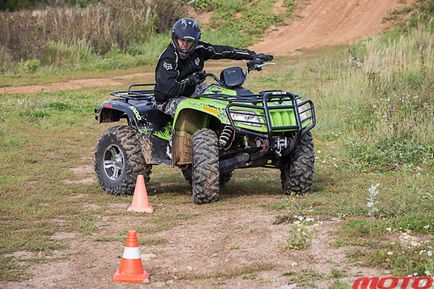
298	177
224	177
205	167
119	160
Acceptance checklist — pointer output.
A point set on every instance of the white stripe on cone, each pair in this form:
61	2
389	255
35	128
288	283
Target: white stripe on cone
131	253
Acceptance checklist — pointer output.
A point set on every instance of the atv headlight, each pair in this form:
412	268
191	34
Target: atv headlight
304	110
246	117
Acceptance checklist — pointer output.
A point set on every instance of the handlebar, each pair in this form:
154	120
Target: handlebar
257	65
212	75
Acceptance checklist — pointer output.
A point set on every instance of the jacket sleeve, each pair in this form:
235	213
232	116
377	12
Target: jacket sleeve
226	52
166	79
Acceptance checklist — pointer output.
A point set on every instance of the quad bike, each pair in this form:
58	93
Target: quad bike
225	128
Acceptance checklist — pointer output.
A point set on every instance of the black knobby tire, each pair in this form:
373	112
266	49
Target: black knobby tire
298	177
205	171
224	177
119	160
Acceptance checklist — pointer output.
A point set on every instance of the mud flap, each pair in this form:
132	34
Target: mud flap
154	150
182	148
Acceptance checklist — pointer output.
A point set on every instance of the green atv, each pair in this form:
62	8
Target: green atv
224	128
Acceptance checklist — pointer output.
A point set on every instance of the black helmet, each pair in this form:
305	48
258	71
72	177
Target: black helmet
188	29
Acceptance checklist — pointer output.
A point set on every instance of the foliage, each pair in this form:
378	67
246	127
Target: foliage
242	20
14	5
411	15
97	27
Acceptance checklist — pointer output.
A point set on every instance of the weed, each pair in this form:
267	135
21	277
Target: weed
373	200
32	65
34	114
336	273
338	244
290	5
340	285
301	233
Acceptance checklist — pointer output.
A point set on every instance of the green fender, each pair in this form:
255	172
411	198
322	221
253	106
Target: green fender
200	114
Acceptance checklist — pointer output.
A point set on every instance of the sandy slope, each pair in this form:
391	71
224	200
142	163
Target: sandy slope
328	22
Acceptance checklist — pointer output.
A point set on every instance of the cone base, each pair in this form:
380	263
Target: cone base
148	210
131	278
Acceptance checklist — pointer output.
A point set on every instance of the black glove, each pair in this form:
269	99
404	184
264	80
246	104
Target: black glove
196	78
264	57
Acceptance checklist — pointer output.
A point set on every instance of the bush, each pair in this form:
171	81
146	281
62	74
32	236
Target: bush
32	65
59	54
100	26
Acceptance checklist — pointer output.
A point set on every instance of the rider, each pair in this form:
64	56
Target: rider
178	72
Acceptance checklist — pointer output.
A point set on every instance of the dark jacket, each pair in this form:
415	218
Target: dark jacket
172	72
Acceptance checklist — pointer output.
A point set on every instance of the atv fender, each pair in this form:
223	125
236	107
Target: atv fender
187	122
114	111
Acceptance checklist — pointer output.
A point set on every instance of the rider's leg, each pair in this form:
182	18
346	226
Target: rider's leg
169	107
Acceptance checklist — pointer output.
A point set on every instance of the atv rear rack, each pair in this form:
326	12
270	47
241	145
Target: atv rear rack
269	101
130	94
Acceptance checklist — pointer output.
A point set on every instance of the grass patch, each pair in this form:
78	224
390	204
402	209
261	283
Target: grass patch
304	277
11	270
402	257
230	272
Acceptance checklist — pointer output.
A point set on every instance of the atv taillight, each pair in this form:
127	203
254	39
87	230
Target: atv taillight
107	105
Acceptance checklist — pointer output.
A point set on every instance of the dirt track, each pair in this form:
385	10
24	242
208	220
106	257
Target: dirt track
320	23
325	23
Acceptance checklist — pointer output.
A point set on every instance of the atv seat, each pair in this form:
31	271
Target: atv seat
241	91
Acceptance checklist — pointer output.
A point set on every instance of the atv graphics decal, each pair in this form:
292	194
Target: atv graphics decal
165	133
214	89
136	113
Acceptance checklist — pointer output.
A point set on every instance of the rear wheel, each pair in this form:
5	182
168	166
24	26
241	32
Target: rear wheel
119	160
298	177
205	167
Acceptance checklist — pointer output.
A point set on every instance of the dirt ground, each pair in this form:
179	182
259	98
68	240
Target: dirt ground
324	23
243	240
202	247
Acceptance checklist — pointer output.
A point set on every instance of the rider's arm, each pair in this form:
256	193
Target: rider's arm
166	78
222	51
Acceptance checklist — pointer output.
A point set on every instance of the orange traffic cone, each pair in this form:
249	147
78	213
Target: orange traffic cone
131	269
140	199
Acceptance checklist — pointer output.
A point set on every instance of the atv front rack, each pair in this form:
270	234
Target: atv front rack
270	105
133	94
